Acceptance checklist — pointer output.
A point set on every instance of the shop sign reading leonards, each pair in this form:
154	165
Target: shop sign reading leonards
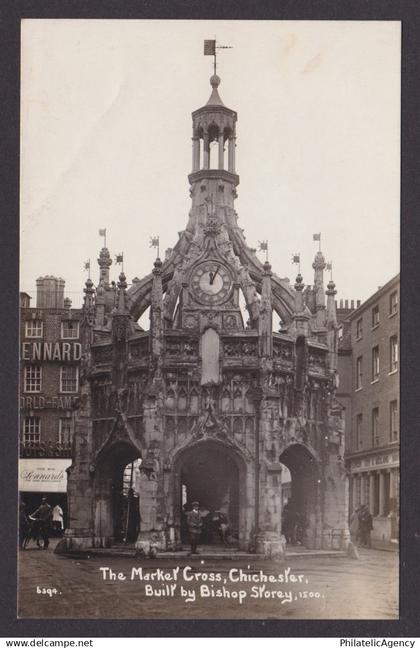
43	475
60	351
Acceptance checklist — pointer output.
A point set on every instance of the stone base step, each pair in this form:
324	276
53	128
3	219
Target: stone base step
117	552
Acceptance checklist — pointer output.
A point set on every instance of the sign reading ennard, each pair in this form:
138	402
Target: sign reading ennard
54	351
213	405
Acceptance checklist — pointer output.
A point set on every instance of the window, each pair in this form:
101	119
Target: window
359	329
34	328
375	316
375	363
340	333
393	421
69	329
359	372
32	430
32	379
359	437
393	353
375	426
65	431
393	303
69	379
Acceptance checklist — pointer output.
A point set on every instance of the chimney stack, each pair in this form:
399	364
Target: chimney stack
50	292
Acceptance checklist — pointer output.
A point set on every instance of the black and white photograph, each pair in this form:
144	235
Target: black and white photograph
209	406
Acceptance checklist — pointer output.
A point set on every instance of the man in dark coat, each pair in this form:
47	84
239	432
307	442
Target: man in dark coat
195	524
43	515
366	526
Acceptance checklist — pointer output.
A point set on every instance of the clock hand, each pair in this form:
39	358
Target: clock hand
213	274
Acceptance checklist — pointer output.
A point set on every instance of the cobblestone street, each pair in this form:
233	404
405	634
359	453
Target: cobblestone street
321	588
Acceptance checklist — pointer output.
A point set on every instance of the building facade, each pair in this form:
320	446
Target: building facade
49	386
213	403
369	370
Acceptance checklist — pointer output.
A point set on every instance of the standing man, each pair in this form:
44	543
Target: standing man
195	524
366	526
58	520
43	515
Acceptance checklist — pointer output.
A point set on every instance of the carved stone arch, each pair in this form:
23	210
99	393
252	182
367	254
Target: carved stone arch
121	433
213	130
216	451
306	470
120	449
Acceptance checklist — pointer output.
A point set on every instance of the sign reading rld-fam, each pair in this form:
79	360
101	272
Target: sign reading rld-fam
52	351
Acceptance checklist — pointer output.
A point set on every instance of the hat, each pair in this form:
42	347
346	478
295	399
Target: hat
195	504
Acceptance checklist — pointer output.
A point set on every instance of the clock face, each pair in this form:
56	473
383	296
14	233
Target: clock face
211	282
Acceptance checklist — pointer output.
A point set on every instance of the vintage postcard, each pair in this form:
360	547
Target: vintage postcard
209	342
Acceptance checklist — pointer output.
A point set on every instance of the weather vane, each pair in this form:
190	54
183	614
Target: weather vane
263	247
296	259
119	258
102	232
317	237
154	243
329	267
87	267
210	49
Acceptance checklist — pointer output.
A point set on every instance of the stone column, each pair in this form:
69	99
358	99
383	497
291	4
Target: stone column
196	154
206	152
354	503
382	493
362	489
372	493
221	151
392	493
231	162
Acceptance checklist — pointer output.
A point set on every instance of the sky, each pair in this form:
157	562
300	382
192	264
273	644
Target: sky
106	142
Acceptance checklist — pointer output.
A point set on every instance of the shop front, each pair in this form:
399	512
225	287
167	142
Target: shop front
42	477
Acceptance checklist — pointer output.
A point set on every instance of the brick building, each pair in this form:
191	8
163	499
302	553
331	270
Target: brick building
369	389
50	356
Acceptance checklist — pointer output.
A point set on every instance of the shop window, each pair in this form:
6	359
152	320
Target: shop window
69	379
375	426
65	431
375	316
69	329
393	421
359	372
375	363
359	329
34	328
393	353
32	379
32	430
393	303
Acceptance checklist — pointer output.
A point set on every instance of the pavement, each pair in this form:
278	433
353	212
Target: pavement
114	587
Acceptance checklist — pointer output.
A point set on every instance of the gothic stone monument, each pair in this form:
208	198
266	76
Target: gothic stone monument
214	406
